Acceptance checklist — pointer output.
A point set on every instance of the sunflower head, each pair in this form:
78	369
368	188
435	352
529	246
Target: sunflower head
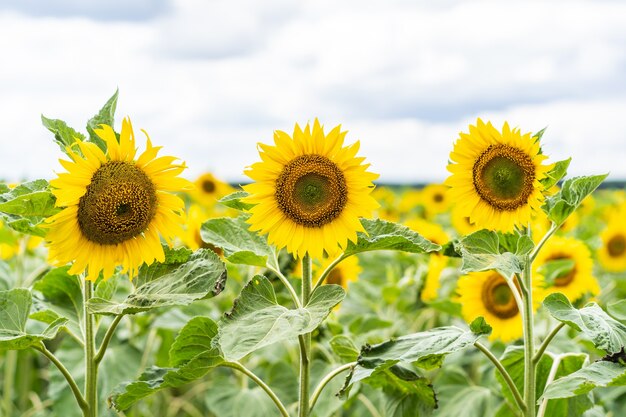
612	253
310	191
435	199
116	205
208	189
496	176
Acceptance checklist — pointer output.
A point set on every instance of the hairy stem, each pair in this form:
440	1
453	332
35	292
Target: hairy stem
529	342
305	343
320	387
551	376
287	284
546	342
10	363
328	270
107	339
91	366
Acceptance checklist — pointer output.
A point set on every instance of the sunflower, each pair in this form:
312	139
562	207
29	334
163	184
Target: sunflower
310	191
461	221
579	280
116	206
486	294
436	264
496	176
612	253
435	199
209	189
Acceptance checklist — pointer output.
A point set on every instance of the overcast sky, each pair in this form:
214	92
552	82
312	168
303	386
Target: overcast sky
208	79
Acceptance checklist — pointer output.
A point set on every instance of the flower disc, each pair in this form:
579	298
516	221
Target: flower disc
612	253
310	191
496	176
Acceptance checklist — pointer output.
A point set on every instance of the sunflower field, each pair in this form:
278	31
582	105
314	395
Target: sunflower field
311	290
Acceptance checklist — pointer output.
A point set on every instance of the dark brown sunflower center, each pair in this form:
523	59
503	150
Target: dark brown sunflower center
335	277
616	246
503	176
208	186
119	204
565	279
498	298
311	190
438	198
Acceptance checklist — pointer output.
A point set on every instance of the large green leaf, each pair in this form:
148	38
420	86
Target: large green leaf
226	399
598	374
466	401
106	116
235	201
572	193
343	347
24	207
257	320
63	134
15	331
556	174
485	250
183	278
192	355
60	295
605	332
384	235
240	245
420	401
424	349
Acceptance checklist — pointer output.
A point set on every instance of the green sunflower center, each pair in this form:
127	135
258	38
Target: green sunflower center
119	204
311	190
616	246
503	177
498	298
208	186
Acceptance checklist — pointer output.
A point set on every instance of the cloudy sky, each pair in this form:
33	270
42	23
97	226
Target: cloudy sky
208	79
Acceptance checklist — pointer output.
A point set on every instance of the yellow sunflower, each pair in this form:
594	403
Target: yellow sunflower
488	295
116	205
436	264
612	253
431	231
310	191
461	221
579	280
209	189
495	176
435	199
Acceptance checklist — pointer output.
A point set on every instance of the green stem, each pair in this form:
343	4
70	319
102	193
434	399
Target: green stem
10	362
546	342
68	377
287	284
305	342
505	375
91	366
320	387
239	367
555	366
544	239
107	338
328	270
529	342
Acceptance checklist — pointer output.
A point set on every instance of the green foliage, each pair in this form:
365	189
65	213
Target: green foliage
24	207
240	245
183	278
554	269
384	235
556	174
235	201
605	332
257	320
64	135
15	330
106	116
598	374
572	193
344	348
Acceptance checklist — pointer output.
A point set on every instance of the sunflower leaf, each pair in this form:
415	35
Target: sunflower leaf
64	135
605	332
598	374
556	174
555	269
257	320
384	235
617	309
235	201
570	196
240	245
178	281
192	355
30	199
343	347
16	332
106	116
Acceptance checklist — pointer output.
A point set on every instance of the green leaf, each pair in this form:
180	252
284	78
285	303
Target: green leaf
486	250
472	401
192	355
420	402
257	320
605	332
63	134
537	136
227	399
240	245
14	310
617	309
552	270
29	199
183	278
235	201
384	235
572	193
344	348
424	349
598	374
61	296
106	116
556	174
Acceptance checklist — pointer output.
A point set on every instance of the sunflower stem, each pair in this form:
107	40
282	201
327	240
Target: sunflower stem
553	370
546	342
544	239
529	342
107	338
320	387
328	270
305	342
91	366
285	281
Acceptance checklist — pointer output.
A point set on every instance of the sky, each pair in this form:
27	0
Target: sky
208	79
